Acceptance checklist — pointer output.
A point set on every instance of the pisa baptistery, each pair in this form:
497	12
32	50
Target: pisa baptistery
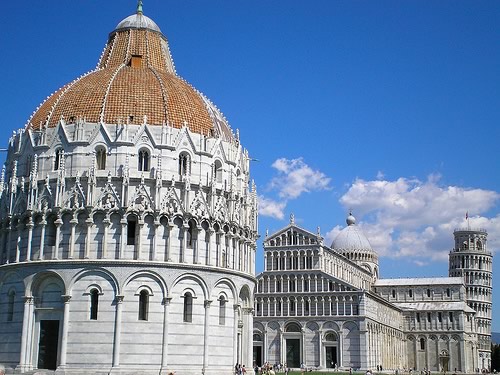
128	224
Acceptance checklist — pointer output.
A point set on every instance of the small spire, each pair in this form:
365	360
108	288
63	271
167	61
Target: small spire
139	7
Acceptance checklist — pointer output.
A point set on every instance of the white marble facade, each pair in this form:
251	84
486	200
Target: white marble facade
127	247
327	307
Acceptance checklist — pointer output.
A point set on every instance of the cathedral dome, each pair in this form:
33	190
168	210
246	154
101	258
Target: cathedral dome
138	21
351	238
135	83
353	244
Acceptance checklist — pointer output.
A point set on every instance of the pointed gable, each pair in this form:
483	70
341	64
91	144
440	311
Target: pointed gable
291	235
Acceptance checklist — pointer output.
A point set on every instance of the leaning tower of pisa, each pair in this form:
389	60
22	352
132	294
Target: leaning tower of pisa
471	260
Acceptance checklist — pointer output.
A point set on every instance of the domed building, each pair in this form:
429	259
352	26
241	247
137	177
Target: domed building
327	307
128	223
353	244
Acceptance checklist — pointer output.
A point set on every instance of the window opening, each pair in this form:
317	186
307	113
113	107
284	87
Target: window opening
94	303
218	171
183	164
143	305
131	229
57	159
100	158
143	160
222	310
188	307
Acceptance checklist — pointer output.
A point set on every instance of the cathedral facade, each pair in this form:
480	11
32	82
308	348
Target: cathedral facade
128	224
327	307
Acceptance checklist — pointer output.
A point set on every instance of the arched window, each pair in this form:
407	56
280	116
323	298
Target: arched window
428	292
410	293
10	306
100	158
293	327
57	158
331	337
131	230
143	305
222	311
143	160
218	171
94	304
184	164
422	344
393	293
189	233
188	307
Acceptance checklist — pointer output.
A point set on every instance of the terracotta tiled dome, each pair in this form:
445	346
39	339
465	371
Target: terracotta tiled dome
134	82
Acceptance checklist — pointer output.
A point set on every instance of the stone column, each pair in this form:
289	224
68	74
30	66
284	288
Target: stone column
155	239
264	351
138	243
9	241
304	351
88	238
164	352
43	223
118	332
30	226
182	252
281	340
249	351
196	245
65	328
105	239
58	223
205	335
320	346
236	309
72	239
23	360
18	242
168	257
209	247
123	241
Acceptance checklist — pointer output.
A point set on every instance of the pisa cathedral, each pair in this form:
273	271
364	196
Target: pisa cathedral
326	307
128	229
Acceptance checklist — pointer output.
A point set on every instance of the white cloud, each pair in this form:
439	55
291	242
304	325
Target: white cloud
293	178
414	219
271	208
296	177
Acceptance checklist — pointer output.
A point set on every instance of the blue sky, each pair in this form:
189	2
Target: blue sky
390	108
